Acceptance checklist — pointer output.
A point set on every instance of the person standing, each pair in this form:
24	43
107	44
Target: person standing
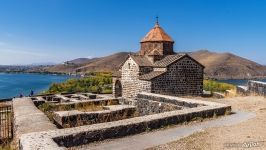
31	93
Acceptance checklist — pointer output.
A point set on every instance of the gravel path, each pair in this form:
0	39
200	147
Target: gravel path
151	139
250	134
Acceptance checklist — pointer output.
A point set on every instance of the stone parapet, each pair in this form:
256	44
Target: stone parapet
28	118
257	88
74	118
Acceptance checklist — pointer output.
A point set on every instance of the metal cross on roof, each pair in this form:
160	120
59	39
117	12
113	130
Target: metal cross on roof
157	20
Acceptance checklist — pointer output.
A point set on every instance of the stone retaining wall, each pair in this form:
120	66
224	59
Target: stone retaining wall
149	107
68	119
168	99
257	88
70	137
28	118
96	102
242	90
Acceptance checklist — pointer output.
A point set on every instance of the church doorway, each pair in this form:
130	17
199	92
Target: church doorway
118	88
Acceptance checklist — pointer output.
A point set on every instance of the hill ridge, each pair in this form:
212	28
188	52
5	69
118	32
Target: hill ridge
217	65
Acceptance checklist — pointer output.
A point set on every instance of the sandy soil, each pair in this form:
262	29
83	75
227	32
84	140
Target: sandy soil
250	134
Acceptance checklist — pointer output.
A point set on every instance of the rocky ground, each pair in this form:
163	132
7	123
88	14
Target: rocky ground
250	134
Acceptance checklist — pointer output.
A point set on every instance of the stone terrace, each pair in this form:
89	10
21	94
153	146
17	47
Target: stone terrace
153	111
77	118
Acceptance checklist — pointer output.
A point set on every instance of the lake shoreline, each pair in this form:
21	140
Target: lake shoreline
12	84
43	73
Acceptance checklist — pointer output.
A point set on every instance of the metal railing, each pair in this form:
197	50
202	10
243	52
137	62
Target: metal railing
6	123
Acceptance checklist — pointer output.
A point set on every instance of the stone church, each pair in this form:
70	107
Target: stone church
158	69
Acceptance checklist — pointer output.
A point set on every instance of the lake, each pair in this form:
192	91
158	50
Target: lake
239	81
12	84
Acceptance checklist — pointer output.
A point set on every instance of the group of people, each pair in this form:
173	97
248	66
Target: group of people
30	95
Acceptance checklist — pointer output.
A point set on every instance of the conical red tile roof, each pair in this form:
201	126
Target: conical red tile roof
157	34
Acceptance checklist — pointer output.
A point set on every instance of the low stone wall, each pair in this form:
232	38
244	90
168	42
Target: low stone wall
149	107
27	118
95	102
242	90
168	99
218	95
70	137
67	119
257	88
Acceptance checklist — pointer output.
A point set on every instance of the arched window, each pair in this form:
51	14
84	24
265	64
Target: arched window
129	65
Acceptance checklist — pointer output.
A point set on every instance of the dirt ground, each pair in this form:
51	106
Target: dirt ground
250	134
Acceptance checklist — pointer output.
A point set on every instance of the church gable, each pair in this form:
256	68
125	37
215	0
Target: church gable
183	77
129	65
186	65
186	60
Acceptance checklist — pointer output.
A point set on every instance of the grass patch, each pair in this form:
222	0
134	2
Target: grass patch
48	107
216	86
94	82
6	145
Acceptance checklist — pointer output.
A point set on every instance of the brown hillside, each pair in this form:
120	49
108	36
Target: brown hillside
228	66
62	68
109	63
218	65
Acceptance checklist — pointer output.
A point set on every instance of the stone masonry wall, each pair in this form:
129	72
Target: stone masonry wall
184	77
257	88
131	85
164	48
147	47
149	107
69	119
181	102
129	78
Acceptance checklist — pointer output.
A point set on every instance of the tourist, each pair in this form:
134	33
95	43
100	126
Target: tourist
20	95
31	93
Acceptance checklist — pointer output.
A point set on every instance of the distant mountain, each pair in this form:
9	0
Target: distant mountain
218	65
109	63
81	61
43	64
70	66
228	66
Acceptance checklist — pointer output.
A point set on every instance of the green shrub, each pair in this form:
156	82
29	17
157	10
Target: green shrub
215	86
6	147
95	82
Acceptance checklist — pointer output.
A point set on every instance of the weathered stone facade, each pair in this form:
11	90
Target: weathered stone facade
131	85
184	77
157	69
164	48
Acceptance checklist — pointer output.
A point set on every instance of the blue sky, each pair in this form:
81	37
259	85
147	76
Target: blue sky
34	31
